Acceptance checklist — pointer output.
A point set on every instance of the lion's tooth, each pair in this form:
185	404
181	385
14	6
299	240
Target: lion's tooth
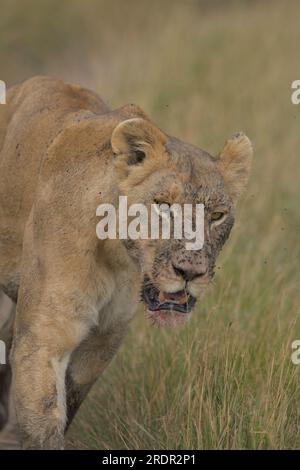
161	297
183	299
180	299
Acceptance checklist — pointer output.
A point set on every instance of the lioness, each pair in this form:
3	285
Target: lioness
63	152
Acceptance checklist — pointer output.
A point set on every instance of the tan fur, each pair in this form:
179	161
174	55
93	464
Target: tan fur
63	152
235	163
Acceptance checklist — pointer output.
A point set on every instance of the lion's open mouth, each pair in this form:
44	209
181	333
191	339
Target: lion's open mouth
166	308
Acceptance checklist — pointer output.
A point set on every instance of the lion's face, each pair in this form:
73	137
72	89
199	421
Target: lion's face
156	169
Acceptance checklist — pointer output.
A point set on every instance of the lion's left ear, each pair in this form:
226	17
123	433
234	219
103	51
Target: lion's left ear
137	138
234	163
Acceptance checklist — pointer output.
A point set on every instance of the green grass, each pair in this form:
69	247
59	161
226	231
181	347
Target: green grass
201	70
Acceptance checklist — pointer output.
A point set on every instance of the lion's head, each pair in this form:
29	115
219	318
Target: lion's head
154	168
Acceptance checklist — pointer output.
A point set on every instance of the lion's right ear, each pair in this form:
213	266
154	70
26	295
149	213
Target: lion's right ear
234	163
137	138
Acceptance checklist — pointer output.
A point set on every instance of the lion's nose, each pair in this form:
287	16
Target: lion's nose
189	272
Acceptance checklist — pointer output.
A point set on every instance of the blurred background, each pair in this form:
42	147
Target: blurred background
201	70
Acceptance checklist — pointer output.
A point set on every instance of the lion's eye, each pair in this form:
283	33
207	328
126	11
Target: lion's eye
217	216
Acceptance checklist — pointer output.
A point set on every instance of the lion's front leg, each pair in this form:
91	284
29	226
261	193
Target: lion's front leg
88	362
39	394
41	350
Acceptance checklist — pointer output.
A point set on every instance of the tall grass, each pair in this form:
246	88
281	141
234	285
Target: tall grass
201	70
